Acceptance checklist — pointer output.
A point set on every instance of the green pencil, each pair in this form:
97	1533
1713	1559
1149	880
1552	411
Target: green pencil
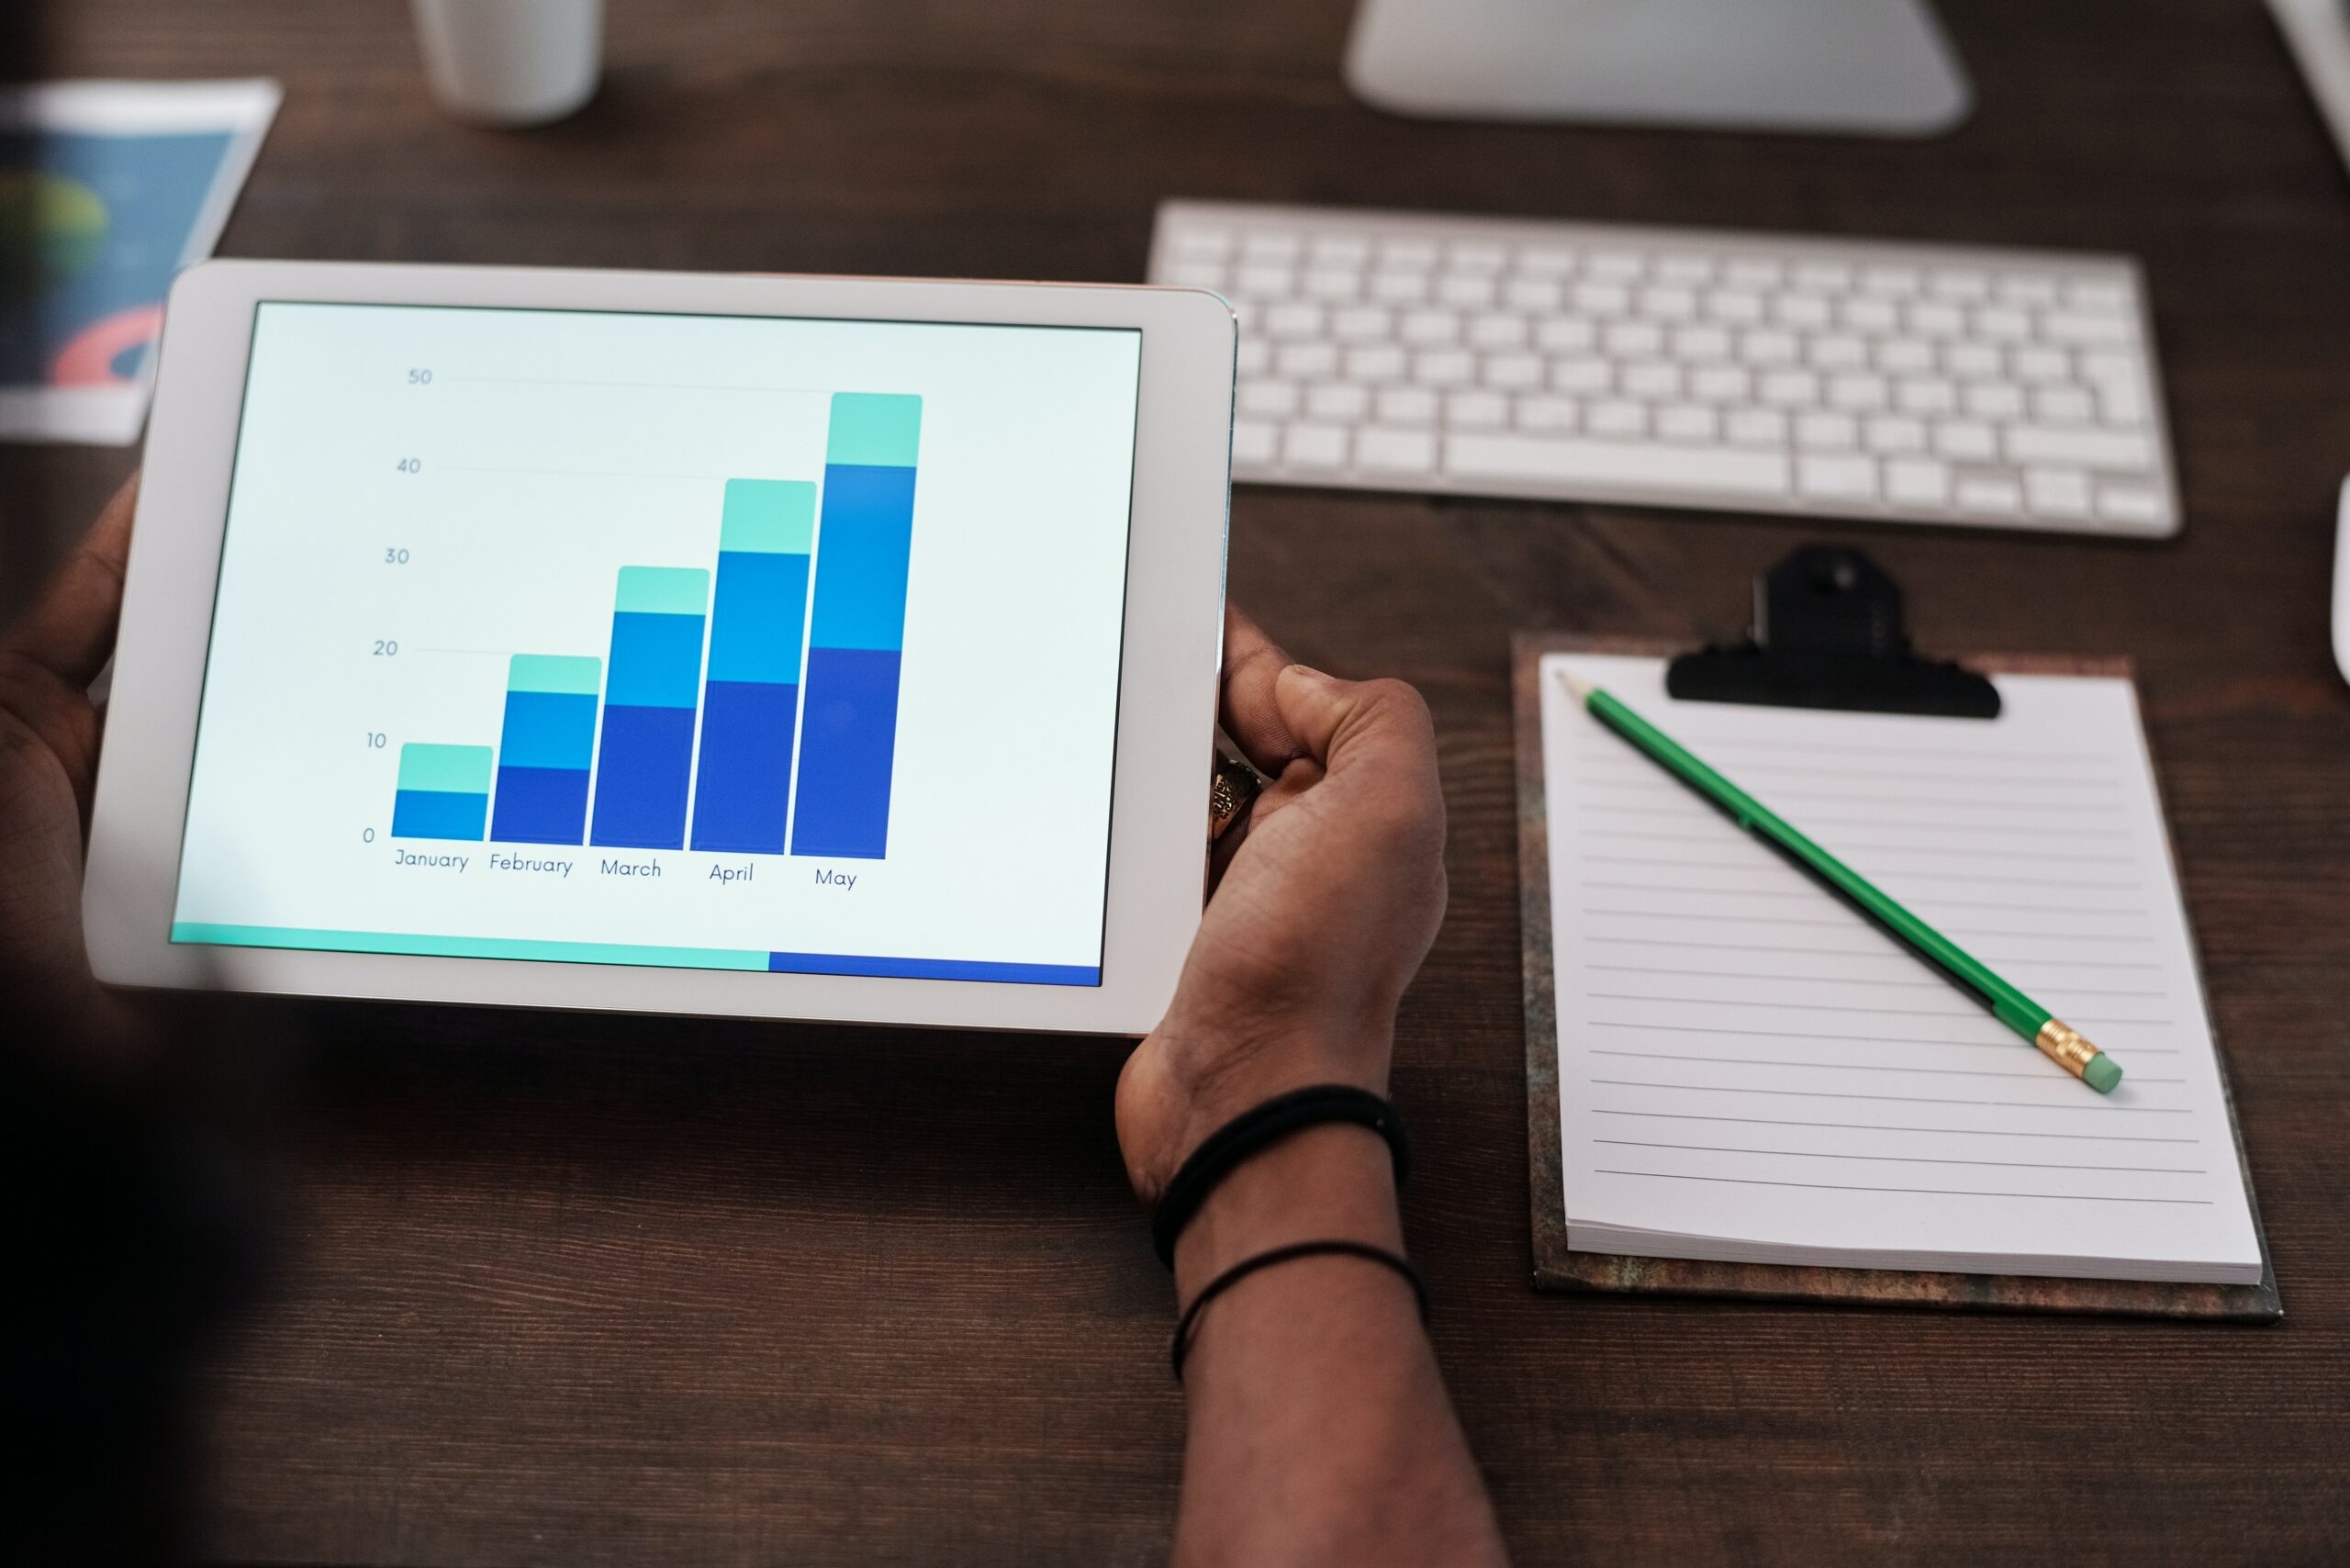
2057	1040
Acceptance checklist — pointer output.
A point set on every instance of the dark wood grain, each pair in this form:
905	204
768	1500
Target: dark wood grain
577	1290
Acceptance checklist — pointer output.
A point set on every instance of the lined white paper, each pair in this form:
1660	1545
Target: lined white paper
1751	1071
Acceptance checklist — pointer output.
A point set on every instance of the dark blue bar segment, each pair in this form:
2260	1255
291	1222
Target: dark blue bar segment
933	968
438	814
851	739
640	781
742	795
541	805
542	760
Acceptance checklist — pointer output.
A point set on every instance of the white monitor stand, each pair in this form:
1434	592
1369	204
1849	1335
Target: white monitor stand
1869	67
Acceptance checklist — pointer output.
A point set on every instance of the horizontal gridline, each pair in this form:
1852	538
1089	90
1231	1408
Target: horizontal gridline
1590	767
1925	1191
1719	838
1906	1158
1838	798
2125	911
1923	984
1903	873
1690	812
1880	1127
1893	1099
1853	1066
2008	1044
1846	921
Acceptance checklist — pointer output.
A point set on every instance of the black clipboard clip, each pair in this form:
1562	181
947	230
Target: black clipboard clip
1829	633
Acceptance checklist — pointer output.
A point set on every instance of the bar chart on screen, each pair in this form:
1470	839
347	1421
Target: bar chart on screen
731	667
668	641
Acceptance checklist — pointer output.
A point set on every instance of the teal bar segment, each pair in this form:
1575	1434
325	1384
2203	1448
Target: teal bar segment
662	590
769	517
465	947
564	674
445	769
874	430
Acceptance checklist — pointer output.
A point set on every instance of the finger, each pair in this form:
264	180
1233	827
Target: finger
70	631
1252	664
1343	722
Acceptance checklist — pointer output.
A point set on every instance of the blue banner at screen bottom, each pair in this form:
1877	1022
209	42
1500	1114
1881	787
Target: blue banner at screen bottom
933	968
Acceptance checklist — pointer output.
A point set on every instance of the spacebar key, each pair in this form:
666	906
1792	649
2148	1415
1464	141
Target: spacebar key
1709	469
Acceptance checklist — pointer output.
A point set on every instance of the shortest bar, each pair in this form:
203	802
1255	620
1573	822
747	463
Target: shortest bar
443	791
545	750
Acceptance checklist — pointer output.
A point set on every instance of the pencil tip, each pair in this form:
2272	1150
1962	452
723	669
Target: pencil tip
1579	690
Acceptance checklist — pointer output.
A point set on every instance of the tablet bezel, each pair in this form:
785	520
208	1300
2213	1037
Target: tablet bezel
1167	687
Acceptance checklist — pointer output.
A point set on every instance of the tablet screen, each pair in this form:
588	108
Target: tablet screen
730	642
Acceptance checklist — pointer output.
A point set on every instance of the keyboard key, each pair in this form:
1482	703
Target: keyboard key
2002	324
1925	395
1967	442
1617	418
2089	294
1381	361
1615	266
1917	481
1891	283
1757	427
1421	328
1444	367
1701	344
1566	334
2085	448
1252	440
1722	383
1314	446
1755	271
1806	311
1514	372
1837	478
1970	359
1305	361
2122	403
1330	283
1534	294
2058	492
1636	464
1827	277
1548	413
1959	284
1399	287
1549	260
1196	275
2063	405
1937	320
1273	400
1905	356
1993	401
1877	316
1268	250
1495	332
1478	410
1342	403
1685	421
1602	299
1859	394
1467	292
1294	320
1770	348
1202	244
1665	303
1406	406
1652	379
1828	432
1837	352
1346	250
2017	288
1412	256
2077	327
1735	307
1684	268
1990	496
1583	377
1363	324
2041	366
1394	451
1633	339
2130	503
1790	389
1476	256
1894	434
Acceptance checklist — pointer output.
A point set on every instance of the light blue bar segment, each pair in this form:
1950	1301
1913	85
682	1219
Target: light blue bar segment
769	517
566	674
465	947
874	430
662	590
447	769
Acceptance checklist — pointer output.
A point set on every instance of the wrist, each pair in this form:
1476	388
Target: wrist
1332	1181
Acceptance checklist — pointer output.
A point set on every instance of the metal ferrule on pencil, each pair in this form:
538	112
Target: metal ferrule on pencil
2066	1046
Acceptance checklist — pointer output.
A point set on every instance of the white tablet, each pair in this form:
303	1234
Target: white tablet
788	647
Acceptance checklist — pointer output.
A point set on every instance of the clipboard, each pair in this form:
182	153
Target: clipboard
1824	618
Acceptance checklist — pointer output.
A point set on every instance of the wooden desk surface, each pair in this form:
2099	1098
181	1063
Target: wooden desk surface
571	1290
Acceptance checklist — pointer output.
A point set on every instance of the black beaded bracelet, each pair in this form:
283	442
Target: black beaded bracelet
1252	1130
1295	1249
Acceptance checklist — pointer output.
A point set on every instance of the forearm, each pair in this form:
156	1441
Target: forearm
1319	1428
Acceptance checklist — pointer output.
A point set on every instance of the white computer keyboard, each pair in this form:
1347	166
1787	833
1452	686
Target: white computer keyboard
1738	372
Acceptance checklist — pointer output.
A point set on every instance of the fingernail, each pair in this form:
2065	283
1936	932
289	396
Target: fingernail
1310	673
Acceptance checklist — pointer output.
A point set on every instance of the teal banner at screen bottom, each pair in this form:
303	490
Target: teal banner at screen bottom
305	940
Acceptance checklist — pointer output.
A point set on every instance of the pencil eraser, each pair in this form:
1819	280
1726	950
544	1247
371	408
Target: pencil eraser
2101	1073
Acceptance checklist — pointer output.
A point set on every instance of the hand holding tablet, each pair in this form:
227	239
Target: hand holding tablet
671	644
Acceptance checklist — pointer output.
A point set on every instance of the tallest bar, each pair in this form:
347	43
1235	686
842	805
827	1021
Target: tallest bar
857	627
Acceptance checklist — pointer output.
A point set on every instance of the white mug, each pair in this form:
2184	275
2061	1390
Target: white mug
510	61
